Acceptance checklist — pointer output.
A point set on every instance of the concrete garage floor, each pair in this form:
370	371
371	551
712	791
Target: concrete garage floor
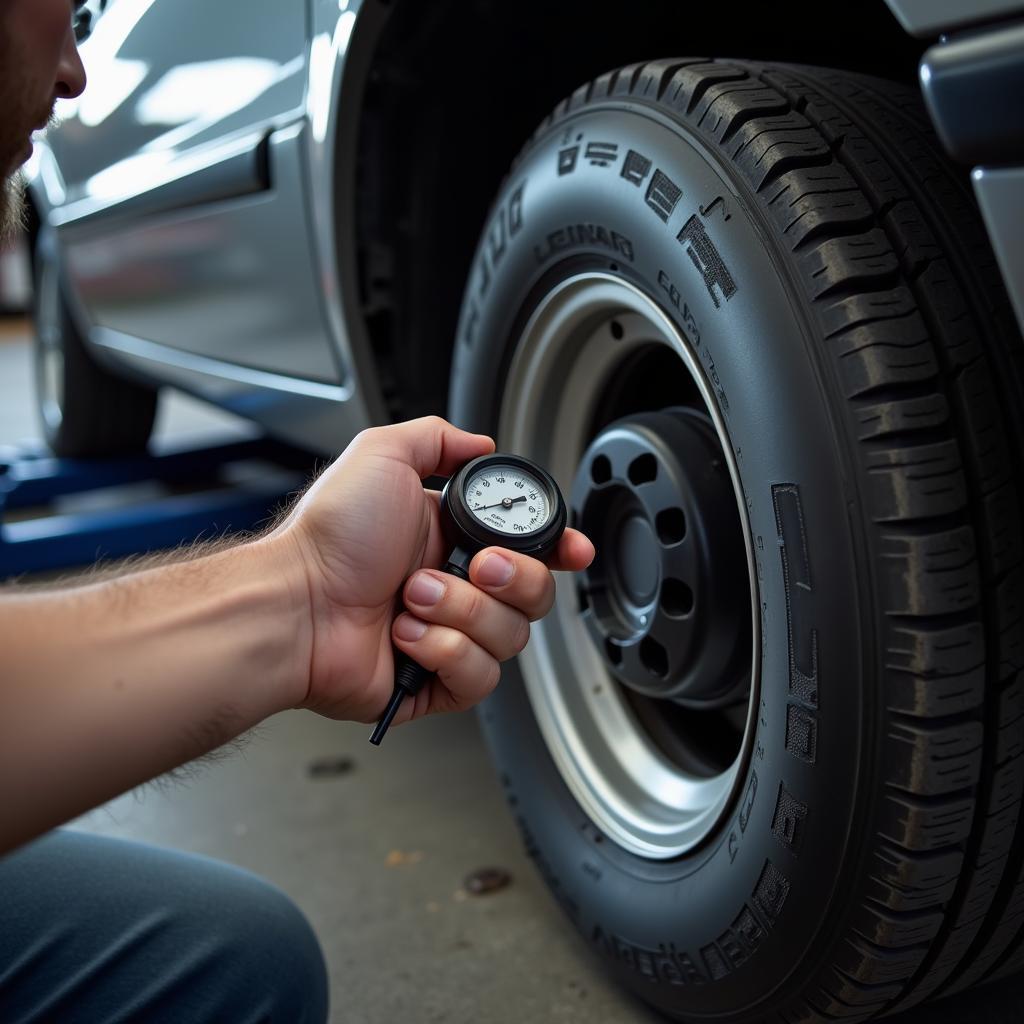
376	854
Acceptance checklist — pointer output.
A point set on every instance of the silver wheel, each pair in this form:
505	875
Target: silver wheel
638	762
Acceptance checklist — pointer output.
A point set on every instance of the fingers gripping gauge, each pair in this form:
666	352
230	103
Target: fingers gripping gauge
502	500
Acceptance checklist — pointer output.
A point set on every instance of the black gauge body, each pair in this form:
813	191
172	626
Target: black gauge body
494	500
467	533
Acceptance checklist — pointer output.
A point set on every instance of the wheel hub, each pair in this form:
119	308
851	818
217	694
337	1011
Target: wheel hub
636	560
666	599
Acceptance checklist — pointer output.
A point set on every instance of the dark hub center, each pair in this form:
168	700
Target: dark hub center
667	598
636	560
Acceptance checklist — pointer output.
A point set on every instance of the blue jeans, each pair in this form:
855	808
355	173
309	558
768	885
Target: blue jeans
96	930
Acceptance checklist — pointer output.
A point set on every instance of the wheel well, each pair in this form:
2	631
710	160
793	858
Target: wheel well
455	89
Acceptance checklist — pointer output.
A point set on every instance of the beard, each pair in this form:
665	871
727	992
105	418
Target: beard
20	110
12	207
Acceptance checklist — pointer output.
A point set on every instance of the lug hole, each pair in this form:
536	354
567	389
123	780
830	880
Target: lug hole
643	469
601	469
617	331
653	656
584	600
614	652
676	598
671	525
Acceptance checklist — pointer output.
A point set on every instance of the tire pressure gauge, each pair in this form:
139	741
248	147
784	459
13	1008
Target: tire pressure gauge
502	500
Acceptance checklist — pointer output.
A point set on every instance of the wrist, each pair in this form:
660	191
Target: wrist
279	562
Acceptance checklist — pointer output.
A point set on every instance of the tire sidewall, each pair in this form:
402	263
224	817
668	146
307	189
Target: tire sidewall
717	930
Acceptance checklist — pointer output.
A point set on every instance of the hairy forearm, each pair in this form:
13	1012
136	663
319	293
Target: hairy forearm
107	685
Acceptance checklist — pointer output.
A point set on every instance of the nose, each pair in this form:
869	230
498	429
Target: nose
70	70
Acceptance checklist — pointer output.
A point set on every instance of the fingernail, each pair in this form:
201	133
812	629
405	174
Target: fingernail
495	571
408	628
425	589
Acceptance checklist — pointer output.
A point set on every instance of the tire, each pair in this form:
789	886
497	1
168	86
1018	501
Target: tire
818	367
85	410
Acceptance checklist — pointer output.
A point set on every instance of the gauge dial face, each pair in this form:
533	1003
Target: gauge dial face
508	499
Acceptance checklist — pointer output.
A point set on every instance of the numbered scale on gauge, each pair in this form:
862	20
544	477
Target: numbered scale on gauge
498	499
508	499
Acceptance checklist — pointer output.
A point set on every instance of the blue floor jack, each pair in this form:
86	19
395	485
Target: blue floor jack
63	513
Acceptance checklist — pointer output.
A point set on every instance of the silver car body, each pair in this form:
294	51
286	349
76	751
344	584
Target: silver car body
172	177
194	189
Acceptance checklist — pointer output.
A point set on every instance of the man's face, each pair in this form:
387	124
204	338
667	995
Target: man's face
39	64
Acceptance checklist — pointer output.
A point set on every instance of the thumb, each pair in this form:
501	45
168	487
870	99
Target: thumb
430	444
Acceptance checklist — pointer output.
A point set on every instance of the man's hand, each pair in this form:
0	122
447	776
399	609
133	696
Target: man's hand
369	534
110	683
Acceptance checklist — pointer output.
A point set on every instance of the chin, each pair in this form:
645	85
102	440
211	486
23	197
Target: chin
12	205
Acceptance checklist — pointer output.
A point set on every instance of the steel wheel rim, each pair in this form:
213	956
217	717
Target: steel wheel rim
625	783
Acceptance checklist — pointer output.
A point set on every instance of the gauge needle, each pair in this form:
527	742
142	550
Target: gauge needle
507	502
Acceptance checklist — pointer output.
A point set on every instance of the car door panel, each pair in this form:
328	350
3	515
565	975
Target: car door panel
167	239
199	278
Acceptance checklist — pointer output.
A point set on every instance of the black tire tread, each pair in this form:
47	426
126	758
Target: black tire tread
887	244
104	414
